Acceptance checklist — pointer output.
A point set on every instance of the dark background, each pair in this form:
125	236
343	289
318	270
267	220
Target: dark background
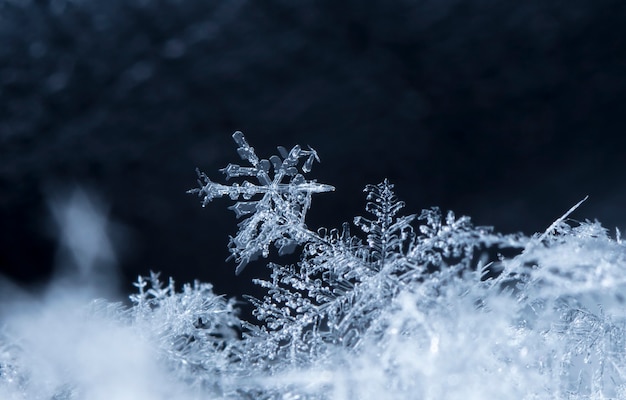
509	112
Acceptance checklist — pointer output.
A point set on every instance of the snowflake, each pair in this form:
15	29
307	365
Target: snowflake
278	216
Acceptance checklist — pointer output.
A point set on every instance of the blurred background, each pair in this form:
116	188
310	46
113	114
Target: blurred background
509	112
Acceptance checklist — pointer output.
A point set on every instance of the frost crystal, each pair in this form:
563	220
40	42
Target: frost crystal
392	306
336	294
278	216
435	310
195	330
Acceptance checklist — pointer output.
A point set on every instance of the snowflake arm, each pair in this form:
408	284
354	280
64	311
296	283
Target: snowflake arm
388	235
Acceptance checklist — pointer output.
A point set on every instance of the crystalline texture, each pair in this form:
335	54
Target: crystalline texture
283	196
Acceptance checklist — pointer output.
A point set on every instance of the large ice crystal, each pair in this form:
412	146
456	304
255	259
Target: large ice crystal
278	216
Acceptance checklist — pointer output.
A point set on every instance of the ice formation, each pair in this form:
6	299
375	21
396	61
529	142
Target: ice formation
391	306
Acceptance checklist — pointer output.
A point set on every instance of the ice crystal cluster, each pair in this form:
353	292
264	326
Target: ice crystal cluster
390	306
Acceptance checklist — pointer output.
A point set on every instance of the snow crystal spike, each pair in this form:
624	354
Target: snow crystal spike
561	219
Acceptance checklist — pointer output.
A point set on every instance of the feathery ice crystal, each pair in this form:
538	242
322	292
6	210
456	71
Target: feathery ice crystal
409	307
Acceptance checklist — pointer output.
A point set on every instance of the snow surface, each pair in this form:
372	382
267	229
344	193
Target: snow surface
409	307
